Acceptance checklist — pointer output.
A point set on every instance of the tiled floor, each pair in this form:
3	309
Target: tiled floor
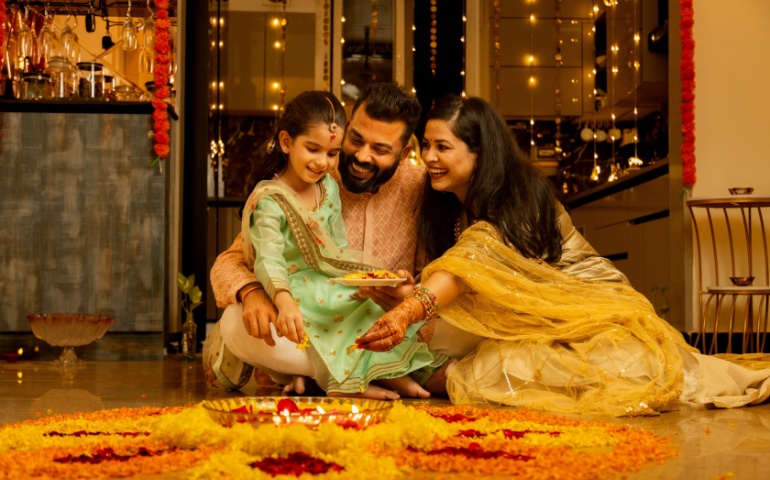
713	443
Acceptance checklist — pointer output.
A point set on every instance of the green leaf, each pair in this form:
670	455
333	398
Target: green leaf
196	295
181	281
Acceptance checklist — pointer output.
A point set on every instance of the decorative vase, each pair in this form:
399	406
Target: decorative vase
189	338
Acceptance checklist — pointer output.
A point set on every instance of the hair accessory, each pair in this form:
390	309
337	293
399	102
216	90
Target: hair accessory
333	126
271	145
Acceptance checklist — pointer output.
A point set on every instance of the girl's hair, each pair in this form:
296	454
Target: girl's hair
304	111
505	188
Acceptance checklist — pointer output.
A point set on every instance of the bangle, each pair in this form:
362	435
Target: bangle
244	294
427	299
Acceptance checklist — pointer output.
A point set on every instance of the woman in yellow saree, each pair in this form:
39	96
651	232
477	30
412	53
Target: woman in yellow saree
554	326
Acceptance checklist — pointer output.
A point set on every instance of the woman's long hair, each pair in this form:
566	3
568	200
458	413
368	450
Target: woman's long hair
505	188
309	108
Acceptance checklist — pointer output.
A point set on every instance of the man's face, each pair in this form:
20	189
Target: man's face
371	152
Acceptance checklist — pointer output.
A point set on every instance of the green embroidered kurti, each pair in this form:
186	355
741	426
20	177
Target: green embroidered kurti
300	251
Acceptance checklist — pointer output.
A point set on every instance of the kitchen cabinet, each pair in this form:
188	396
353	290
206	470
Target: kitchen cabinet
627	70
83	214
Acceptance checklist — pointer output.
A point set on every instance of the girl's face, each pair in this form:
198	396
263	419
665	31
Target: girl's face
450	163
312	155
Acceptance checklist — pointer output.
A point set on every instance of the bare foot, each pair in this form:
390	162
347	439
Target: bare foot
297	385
373	392
405	386
436	384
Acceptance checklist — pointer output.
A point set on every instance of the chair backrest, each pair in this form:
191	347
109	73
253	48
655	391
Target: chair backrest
731	234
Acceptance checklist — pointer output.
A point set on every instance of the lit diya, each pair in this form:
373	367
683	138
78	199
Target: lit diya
310	411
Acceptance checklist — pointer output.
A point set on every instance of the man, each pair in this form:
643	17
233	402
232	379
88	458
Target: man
380	193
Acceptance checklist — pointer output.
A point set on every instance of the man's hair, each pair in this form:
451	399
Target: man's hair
388	102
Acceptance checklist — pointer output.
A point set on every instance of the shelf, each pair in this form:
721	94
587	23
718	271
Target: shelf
74	106
100	8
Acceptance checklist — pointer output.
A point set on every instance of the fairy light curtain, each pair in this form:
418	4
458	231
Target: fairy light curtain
439	46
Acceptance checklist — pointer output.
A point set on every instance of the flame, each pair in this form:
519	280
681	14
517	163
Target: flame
20	351
355	409
320	410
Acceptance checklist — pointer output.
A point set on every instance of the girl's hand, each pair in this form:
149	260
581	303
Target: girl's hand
390	329
289	323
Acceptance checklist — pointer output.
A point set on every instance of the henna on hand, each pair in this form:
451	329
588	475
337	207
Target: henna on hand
390	329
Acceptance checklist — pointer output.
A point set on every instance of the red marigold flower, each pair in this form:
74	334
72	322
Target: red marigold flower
161	150
162	138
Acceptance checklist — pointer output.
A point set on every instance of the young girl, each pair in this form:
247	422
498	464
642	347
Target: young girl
298	243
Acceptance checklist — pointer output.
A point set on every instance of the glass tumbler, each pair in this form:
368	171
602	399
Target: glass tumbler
91	82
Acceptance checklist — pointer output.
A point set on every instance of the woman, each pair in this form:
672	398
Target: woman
555	329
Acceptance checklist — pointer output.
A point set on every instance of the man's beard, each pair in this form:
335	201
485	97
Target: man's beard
354	185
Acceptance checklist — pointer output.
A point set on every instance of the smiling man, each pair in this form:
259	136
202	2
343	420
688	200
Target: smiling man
380	204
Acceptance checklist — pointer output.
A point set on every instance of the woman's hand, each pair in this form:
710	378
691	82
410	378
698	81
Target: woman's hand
289	323
258	313
387	297
390	329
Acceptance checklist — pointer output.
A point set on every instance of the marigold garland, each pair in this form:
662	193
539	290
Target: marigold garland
413	440
687	75
3	17
161	72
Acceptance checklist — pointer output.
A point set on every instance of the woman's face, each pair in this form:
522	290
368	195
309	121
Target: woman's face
450	163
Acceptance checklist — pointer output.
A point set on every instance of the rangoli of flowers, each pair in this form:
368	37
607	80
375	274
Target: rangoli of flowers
412	441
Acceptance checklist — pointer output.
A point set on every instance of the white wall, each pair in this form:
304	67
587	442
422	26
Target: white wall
732	101
732	96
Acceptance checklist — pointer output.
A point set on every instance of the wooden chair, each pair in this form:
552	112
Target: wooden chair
733	274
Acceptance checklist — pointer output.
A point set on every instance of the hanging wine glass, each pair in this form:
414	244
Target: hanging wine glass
147	55
47	43
26	41
68	40
130	42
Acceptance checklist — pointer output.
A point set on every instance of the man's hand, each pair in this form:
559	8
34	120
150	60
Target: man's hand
258	313
387	297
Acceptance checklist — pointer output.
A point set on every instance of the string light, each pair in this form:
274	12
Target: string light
373	35
613	58
597	170
326	37
462	39
635	161
496	35
532	83
284	22
433	35
557	93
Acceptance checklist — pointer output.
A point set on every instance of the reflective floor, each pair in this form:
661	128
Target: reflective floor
714	444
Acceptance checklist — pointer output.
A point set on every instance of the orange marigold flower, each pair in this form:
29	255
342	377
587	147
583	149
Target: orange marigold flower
162	150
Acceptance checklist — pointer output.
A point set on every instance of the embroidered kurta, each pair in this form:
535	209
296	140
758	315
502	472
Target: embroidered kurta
300	251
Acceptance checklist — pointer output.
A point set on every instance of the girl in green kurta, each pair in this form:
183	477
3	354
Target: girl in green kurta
299	245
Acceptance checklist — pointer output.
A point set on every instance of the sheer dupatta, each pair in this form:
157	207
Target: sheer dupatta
318	249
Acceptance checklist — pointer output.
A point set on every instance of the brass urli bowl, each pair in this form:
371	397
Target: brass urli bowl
68	330
742	281
359	412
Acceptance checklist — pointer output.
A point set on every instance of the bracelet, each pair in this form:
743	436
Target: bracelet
244	294
427	299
